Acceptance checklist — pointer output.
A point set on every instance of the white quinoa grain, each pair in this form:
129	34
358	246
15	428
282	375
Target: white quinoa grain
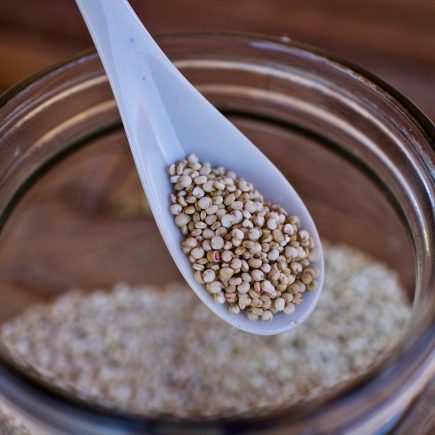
289	308
289	229
212	209
279	304
197	253
208	234
236	263
267	286
182	219
208	186
250	206
175	209
227	220
254	263
266	267
254	234
227	256
237	234
244	301
200	180
266	316
215	287
208	275
237	216
255	310
226	273
205	202
273	254
271	224
257	275
243	288
246	277
198	192
221	231
291	252
219	298
235	281
219	185
237	205
198	277
192	158
217	242
185	181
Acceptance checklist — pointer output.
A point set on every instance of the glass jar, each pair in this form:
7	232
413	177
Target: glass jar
72	213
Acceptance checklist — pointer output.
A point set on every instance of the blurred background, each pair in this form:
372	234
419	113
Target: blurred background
394	39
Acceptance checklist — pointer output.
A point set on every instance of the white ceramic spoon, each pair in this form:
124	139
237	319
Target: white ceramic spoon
166	118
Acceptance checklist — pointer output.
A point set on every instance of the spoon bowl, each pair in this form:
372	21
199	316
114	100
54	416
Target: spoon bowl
165	119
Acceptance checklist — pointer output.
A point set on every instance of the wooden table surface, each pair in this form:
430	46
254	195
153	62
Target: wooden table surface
394	39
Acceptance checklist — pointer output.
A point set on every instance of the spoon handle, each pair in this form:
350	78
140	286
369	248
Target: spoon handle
131	58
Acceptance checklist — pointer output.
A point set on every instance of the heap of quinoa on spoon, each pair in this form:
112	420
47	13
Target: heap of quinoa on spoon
246	251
